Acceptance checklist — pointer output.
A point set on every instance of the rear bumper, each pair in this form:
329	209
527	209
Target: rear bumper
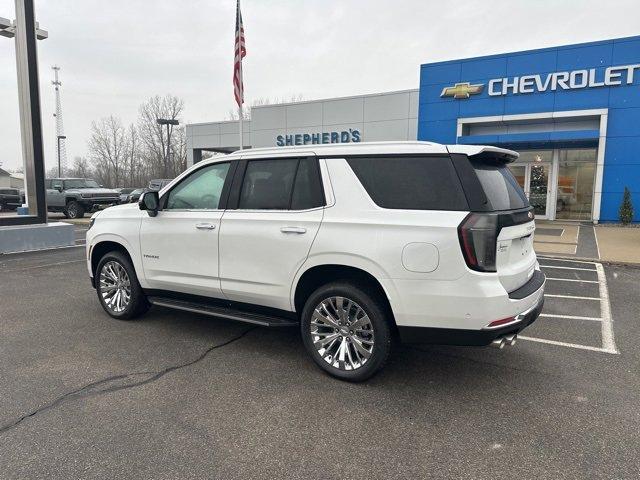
531	294
455	336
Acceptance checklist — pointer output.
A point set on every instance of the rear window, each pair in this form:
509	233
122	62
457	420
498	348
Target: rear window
411	183
500	186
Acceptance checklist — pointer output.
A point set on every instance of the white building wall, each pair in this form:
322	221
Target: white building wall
377	117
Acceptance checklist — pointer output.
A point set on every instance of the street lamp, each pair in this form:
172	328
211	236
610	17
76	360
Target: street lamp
169	123
60	137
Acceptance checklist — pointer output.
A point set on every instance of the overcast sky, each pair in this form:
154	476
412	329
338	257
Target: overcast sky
115	54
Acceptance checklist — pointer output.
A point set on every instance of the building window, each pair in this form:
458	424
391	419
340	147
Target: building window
576	173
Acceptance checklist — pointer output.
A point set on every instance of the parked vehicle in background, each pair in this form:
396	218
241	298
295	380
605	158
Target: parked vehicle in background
135	195
132	196
10	199
124	194
75	196
354	244
159	183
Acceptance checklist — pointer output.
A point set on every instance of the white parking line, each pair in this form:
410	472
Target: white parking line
569	268
570	317
565	344
42	266
572	280
571	296
565	260
608	340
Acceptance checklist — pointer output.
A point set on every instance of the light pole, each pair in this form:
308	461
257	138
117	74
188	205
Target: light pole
169	123
60	137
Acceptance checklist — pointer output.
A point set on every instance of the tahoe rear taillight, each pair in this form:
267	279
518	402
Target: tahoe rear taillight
478	235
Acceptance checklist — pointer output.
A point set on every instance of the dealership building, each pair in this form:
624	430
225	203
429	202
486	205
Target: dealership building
573	113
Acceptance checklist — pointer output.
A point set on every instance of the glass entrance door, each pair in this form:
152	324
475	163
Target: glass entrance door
533	171
539	188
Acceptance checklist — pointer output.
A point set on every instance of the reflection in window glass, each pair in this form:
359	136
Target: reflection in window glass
199	191
267	184
576	173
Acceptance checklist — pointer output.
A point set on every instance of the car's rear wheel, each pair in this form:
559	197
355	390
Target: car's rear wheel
74	210
118	289
347	331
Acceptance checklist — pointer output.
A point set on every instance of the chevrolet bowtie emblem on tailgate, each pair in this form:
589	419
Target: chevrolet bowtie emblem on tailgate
462	90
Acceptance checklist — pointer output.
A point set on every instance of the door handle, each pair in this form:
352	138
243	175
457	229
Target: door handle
298	230
205	226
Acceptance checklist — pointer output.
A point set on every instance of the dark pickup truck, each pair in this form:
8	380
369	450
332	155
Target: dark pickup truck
10	199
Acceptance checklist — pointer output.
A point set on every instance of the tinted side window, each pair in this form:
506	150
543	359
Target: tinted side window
199	191
411	183
56	183
307	189
268	184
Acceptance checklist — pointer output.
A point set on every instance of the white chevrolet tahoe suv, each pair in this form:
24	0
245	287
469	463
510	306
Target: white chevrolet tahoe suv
356	244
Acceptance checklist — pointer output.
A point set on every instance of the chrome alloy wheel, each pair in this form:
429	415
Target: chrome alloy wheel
342	333
115	287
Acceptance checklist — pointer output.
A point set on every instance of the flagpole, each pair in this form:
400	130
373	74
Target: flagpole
240	124
240	115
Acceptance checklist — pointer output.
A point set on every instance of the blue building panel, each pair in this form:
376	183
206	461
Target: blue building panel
519	104
585	99
533	63
440	73
558	79
442	131
592	56
624	122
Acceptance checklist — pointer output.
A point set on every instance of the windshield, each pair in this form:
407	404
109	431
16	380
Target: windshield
80	183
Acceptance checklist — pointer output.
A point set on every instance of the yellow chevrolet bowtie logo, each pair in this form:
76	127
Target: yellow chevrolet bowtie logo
462	90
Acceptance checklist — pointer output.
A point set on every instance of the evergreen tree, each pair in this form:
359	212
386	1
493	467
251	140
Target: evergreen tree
626	208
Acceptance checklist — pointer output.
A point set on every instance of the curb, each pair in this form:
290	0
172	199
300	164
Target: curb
587	259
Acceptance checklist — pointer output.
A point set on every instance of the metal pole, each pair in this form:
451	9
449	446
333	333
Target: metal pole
166	157
59	164
240	125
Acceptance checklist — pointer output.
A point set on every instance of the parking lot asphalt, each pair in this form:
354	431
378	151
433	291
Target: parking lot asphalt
177	395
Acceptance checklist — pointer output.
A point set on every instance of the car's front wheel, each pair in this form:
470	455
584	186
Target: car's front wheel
118	289
74	210
347	331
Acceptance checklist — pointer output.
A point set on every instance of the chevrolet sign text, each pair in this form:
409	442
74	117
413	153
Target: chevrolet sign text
575	79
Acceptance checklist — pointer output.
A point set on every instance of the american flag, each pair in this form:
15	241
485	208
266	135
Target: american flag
240	53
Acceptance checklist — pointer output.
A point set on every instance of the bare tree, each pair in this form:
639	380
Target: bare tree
161	148
257	102
81	168
107	149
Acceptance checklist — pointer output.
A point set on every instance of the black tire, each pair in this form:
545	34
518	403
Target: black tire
74	210
380	322
138	304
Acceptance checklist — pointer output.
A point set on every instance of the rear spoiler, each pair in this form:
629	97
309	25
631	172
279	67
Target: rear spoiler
485	154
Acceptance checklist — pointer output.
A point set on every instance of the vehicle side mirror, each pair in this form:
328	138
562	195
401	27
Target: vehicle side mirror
150	202
59	189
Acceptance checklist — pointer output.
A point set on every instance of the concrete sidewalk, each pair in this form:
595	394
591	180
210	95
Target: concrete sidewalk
605	242
618	244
